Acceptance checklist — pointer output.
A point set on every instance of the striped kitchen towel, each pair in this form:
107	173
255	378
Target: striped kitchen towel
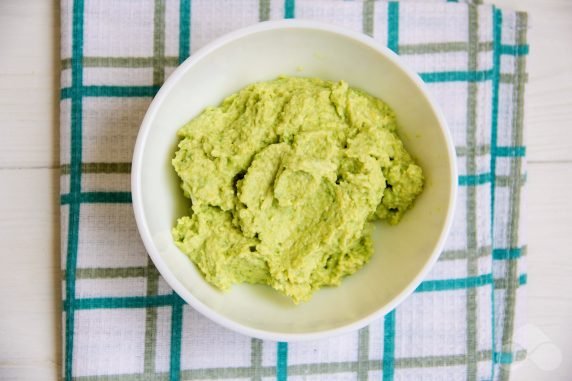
121	320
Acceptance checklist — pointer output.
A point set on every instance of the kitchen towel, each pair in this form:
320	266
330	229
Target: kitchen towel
121	320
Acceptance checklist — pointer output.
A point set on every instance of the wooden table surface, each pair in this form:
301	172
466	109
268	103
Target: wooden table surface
30	346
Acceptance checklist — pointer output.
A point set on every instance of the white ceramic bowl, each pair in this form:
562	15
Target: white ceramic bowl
403	253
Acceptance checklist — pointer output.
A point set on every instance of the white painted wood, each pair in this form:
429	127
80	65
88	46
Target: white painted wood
29	227
29	83
29	274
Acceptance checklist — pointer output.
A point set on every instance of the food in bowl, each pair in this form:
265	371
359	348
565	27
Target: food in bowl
285	178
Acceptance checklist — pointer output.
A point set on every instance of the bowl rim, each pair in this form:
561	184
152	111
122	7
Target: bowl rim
136	188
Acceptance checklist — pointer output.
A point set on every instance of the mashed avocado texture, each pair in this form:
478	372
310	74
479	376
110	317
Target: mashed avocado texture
285	178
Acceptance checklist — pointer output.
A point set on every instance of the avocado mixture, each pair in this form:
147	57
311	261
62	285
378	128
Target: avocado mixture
285	178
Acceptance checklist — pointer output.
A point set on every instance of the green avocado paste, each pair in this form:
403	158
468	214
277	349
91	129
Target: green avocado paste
285	178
